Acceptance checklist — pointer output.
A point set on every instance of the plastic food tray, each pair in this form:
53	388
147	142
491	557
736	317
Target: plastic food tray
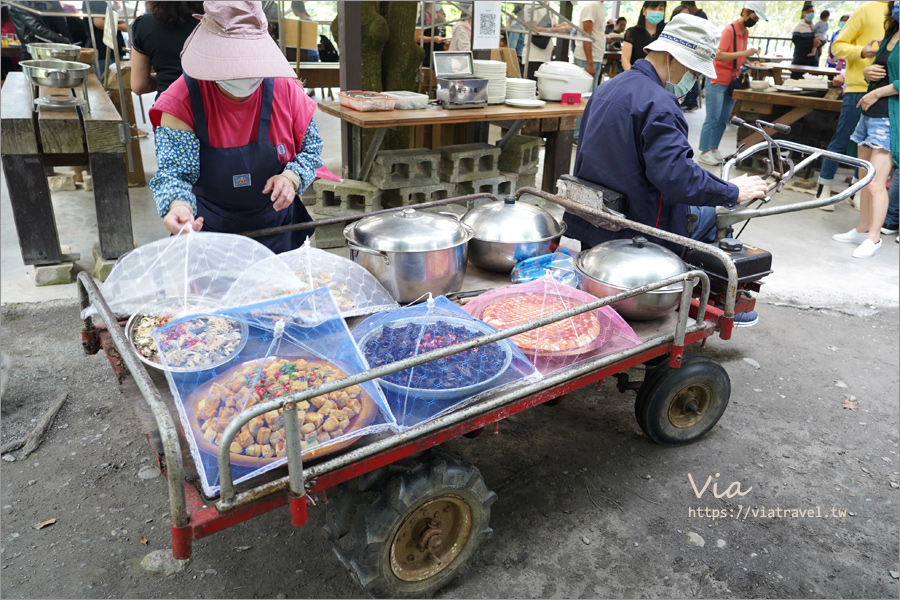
409	100
366	101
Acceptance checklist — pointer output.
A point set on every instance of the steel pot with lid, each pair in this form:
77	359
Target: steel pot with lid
412	252
619	265
508	232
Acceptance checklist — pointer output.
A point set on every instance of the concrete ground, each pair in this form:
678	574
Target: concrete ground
810	268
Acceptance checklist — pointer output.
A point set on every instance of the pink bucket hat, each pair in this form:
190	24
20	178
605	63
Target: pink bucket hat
232	42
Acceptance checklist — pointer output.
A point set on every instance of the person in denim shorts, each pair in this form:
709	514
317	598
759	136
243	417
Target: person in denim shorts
873	137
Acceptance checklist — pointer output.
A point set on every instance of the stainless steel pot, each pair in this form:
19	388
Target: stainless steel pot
48	51
55	73
619	265
412	253
508	232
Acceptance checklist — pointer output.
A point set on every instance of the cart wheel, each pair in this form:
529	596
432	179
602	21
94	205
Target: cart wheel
676	406
420	530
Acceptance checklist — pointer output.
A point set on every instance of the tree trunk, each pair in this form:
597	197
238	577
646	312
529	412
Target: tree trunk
400	61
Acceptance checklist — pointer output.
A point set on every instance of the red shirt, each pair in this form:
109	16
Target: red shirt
232	124
725	69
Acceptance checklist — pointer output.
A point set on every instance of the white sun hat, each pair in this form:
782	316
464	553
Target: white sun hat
690	40
758	7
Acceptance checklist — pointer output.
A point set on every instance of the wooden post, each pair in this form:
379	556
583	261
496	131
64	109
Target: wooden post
32	210
110	182
562	45
350	51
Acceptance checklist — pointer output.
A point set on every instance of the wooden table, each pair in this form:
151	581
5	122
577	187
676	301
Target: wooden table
752	104
611	62
60	137
320	74
776	71
554	121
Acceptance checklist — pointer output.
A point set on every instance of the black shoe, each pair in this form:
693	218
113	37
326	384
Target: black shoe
890	228
689	107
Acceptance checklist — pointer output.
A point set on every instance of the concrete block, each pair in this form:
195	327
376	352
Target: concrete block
102	266
328	236
349	197
527	178
521	154
500	186
412	195
57	274
395	169
87	181
308	197
469	162
64	182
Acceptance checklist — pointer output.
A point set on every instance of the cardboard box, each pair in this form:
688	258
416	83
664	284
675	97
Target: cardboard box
301	34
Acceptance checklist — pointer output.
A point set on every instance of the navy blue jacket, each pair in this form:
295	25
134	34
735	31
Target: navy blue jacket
634	140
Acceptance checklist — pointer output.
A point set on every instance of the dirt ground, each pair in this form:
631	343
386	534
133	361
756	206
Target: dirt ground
587	506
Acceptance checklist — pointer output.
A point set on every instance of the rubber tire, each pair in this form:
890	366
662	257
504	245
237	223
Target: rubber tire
663	383
375	523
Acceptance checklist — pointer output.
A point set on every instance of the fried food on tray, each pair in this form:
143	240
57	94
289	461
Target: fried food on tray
569	334
323	418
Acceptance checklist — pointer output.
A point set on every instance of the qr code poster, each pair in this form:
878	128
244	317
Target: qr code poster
486	26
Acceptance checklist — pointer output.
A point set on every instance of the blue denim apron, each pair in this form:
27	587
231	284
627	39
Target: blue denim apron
229	189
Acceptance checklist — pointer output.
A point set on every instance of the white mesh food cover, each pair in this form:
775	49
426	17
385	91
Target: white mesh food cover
354	289
563	343
283	346
199	264
421	393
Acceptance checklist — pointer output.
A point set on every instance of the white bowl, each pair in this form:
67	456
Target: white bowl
759	84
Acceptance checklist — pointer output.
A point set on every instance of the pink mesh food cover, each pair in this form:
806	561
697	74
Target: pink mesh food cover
552	347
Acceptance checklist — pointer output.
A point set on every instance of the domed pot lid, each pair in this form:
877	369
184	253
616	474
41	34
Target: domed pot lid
628	264
514	222
408	230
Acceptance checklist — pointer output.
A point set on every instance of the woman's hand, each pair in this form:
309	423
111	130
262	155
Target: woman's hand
179	216
750	187
282	191
874	73
868	100
870	50
750	52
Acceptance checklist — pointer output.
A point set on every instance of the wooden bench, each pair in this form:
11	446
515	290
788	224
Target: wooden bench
325	75
34	142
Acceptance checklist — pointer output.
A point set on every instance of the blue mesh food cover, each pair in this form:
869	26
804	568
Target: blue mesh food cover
224	365
424	392
558	265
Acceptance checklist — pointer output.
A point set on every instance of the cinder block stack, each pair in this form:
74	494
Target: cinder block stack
395	169
337	199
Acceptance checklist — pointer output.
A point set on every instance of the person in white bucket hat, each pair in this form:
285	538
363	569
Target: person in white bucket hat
633	140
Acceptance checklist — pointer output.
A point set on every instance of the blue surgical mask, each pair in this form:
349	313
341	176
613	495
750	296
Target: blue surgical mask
655	17
809	17
841	24
681	88
242	88
895	12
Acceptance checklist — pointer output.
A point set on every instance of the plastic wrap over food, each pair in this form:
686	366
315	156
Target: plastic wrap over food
552	347
223	365
559	265
186	266
355	290
424	392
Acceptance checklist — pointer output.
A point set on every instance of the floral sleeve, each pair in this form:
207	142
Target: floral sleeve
309	159
178	159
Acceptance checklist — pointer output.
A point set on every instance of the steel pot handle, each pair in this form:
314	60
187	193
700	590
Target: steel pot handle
381	253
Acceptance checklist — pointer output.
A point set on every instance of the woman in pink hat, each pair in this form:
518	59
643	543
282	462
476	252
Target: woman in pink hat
235	137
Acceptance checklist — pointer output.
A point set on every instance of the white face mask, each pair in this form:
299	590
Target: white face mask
241	88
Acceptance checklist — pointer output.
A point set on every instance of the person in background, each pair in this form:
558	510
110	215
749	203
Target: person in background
820	30
730	56
876	138
695	10
157	38
432	36
31	28
650	24
299	10
461	40
589	55
235	137
804	41
831	61
98	22
691	102
610	25
516	38
9	63
542	44
678	10
855	44
614	37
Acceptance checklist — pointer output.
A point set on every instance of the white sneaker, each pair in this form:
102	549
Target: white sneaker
851	237
867	249
718	155
708	158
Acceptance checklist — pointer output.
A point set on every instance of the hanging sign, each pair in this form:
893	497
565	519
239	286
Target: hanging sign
486	25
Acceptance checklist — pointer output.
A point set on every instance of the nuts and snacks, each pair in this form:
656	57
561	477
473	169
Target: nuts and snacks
201	341
322	418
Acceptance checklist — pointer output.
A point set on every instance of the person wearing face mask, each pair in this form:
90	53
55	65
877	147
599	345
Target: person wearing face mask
235	137
649	26
634	140
832	61
804	40
730	57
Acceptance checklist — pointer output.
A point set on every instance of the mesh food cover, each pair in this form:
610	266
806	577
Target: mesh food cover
424	392
560	344
185	266
237	363
354	289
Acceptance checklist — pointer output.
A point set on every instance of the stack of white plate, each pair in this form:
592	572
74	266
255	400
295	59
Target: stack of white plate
520	89
495	72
